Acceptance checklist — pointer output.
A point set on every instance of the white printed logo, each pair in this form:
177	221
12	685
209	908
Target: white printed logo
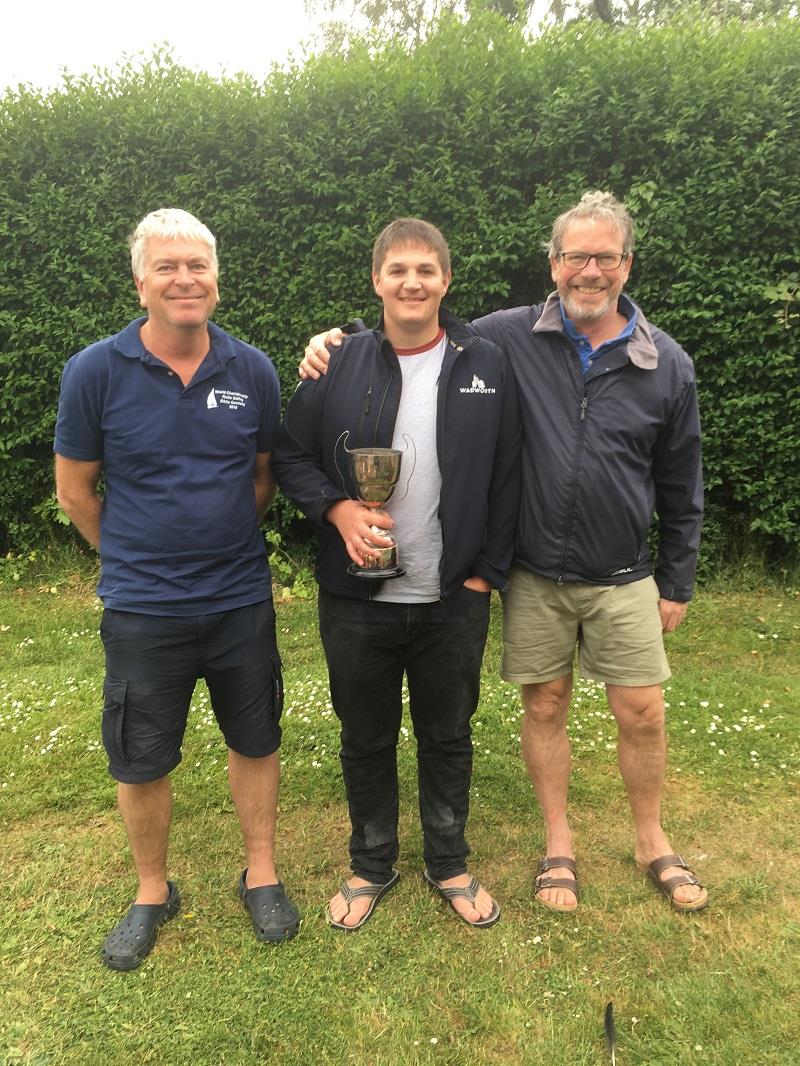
478	386
226	398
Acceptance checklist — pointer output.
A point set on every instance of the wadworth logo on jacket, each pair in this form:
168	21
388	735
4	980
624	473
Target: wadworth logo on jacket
477	386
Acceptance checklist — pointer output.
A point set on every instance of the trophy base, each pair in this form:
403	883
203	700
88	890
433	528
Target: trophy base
387	572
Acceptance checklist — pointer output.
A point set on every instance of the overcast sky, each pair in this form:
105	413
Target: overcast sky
39	38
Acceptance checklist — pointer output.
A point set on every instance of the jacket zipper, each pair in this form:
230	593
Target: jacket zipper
581	439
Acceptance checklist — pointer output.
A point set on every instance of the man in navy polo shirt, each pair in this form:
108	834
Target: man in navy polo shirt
178	418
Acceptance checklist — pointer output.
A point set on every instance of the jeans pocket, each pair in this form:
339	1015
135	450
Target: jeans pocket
114	693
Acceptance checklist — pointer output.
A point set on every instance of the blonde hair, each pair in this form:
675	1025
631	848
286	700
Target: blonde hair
170	223
602	206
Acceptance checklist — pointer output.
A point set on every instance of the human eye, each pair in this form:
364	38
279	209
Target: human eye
608	260
575	259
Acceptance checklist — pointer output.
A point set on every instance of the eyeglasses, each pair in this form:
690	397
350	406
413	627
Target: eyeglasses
604	260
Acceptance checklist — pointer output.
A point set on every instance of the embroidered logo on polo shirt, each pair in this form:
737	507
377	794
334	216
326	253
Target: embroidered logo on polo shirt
477	386
226	398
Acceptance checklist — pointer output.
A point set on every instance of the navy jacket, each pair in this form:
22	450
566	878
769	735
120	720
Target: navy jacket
478	443
603	451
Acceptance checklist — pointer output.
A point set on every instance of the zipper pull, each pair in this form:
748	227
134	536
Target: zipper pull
367	400
584	405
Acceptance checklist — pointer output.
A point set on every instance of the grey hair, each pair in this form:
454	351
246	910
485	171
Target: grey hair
600	207
170	223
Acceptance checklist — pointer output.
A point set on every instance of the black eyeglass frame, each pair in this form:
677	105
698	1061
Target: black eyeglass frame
618	258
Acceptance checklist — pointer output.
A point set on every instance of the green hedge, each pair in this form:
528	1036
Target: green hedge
479	130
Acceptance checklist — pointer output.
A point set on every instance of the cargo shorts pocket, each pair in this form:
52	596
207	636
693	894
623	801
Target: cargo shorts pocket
277	688
114	693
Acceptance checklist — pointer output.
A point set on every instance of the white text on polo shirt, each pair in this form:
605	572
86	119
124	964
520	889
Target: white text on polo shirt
226	398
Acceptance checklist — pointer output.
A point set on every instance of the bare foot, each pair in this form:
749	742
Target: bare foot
554	896
351	912
484	904
687	895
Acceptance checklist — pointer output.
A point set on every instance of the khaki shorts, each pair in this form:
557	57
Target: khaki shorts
617	629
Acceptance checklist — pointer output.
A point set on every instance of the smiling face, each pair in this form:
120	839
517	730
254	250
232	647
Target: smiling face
178	287
589	295
411	283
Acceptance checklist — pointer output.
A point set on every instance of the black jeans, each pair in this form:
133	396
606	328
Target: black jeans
439	646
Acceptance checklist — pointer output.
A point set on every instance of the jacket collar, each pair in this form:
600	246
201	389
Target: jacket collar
453	327
641	349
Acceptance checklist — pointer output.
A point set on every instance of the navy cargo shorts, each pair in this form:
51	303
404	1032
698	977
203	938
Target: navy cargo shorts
152	666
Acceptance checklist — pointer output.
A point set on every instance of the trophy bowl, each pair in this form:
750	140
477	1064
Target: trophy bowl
375	473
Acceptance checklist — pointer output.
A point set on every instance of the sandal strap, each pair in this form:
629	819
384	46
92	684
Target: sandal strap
551	862
349	893
543	881
468	892
659	865
671	883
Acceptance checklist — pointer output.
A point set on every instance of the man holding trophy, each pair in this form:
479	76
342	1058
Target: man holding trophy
414	429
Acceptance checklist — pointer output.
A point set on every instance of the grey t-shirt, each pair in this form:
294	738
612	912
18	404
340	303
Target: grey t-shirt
415	504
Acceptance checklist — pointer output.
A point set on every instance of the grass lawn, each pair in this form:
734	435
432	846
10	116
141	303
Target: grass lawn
416	985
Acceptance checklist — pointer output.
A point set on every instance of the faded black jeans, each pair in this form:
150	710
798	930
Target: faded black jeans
439	646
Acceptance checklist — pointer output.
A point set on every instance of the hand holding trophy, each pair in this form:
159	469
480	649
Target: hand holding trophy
375	472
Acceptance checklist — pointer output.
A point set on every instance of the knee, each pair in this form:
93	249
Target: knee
641	716
546	704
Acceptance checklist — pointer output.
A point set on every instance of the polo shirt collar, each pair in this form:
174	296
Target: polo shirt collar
129	343
641	349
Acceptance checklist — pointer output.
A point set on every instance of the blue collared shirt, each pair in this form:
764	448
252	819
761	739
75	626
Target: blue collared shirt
179	532
589	355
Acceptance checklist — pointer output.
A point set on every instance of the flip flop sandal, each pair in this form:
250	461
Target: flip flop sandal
375	893
468	892
551	862
668	885
275	918
132	939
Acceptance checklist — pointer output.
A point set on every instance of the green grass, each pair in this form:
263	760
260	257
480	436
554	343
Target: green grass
416	986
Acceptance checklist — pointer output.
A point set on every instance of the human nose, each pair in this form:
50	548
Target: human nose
592	267
183	276
411	281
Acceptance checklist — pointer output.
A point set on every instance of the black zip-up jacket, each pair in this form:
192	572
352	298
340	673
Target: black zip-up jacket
603	451
478	440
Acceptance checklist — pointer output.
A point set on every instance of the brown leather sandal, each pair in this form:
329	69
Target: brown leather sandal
668	885
551	862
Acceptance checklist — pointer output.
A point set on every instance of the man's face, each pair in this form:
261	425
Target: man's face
589	293
179	284
411	284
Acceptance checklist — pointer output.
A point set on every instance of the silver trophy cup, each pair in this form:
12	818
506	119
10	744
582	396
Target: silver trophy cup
375	473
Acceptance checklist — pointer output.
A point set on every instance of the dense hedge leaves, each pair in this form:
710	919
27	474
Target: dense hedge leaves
487	135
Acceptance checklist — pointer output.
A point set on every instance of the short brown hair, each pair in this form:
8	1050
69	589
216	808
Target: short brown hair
414	231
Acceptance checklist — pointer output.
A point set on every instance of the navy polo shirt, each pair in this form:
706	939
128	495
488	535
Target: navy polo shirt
179	533
582	343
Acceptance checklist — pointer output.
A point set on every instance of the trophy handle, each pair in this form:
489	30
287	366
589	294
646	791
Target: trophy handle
343	438
409	444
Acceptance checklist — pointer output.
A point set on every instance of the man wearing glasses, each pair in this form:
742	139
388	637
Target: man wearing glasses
611	435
